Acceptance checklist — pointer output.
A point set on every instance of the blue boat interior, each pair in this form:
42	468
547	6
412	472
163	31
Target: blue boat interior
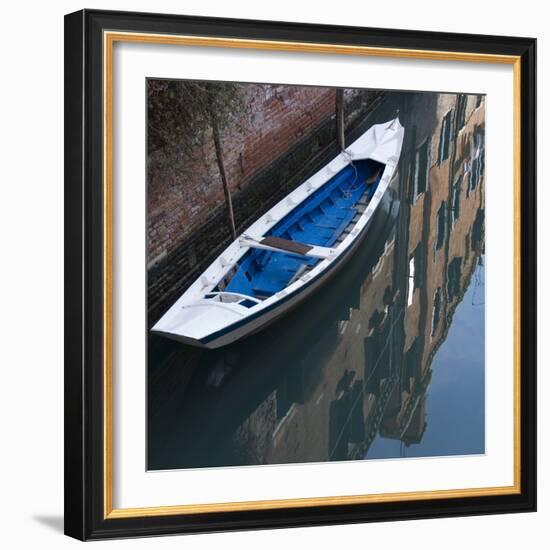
323	219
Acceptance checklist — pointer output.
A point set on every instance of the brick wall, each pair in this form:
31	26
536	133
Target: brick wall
275	118
285	134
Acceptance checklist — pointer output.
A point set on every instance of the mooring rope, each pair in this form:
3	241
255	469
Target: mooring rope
350	190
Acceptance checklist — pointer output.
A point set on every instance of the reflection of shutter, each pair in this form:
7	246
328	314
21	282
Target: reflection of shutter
440	226
453	278
418	265
441	140
445	137
456	199
423	167
357	428
461	115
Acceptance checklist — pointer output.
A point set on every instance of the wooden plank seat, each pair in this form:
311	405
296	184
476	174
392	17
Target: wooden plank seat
284	244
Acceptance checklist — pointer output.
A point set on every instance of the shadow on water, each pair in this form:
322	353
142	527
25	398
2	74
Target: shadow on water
351	366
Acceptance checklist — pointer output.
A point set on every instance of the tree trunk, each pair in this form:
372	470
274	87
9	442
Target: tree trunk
221	168
340	118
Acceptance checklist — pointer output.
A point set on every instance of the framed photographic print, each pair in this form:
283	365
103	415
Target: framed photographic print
300	274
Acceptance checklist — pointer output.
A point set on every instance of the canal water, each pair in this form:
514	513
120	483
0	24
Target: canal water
386	360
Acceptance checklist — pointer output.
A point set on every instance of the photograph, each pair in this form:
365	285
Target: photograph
315	274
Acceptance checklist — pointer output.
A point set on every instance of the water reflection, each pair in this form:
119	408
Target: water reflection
356	371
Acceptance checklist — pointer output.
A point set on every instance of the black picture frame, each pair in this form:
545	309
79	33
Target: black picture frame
85	516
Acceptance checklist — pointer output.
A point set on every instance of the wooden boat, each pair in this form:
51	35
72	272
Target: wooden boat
291	250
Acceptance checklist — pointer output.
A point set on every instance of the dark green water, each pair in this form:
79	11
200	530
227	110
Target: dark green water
385	361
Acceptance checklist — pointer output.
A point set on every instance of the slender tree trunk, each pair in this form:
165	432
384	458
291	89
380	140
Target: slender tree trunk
340	118
221	168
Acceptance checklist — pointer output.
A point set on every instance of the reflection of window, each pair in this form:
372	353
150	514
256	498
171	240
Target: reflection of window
457	188
415	271
478	161
478	100
436	310
453	278
421	168
440	227
461	111
411	281
445	139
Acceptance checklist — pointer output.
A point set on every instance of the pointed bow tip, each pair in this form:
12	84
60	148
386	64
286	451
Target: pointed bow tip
395	124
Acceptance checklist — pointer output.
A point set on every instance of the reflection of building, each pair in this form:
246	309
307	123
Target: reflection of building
373	369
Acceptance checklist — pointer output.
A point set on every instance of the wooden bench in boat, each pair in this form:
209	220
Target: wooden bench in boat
285	245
